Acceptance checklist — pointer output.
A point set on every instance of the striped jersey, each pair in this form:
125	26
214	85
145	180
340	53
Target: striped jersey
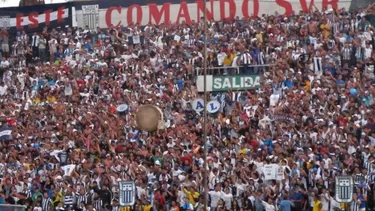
47	204
97	204
69	199
27	193
81	199
318	66
246	58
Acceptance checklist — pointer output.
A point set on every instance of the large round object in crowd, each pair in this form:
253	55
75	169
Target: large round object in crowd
353	91
148	117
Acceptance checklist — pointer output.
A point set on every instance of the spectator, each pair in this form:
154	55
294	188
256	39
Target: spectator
66	143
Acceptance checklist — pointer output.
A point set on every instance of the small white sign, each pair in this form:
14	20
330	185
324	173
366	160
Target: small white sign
68	90
344	189
273	172
136	39
68	169
122	108
269	172
127	193
213	106
198	105
90	9
177	38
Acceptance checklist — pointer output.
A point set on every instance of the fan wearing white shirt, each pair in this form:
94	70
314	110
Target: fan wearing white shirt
312	40
325	199
215	196
268	206
367	51
21	76
3	89
327	161
141	191
212	178
4	63
334	204
38	208
227	197
220	58
236	60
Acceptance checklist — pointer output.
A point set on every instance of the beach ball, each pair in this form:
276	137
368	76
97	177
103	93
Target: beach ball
148	117
353	91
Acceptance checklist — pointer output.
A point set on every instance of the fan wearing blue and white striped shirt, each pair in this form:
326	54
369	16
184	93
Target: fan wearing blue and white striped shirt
371	173
81	197
69	198
359	201
239	97
97	202
246	60
69	51
26	191
47	203
115	205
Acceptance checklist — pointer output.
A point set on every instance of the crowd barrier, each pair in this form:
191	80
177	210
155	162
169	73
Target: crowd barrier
230	78
11	207
232	70
106	14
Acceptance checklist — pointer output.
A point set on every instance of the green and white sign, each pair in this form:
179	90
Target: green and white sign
226	83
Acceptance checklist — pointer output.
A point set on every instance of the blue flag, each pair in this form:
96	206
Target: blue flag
5	133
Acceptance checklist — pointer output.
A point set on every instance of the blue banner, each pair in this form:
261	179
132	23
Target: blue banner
5	133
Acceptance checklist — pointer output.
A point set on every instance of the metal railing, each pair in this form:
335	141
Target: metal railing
12	207
232	70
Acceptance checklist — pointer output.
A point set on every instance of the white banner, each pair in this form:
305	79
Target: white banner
5	132
68	169
269	172
127	191
273	172
125	14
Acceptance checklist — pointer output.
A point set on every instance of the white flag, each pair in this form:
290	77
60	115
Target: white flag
68	169
68	90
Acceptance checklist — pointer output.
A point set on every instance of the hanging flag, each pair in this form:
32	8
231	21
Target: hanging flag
68	169
36	18
127	193
5	133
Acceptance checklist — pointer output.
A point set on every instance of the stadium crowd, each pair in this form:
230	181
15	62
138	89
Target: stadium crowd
312	116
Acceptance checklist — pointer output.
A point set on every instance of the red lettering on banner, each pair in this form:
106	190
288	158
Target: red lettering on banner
48	16
60	14
333	3
245	8
163	13
129	14
232	9
157	14
304	6
200	9
108	16
286	5
19	20
33	19
183	13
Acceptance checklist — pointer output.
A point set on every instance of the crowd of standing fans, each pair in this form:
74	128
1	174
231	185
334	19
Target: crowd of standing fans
313	115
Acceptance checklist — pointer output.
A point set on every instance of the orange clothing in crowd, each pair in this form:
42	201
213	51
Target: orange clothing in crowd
326	29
